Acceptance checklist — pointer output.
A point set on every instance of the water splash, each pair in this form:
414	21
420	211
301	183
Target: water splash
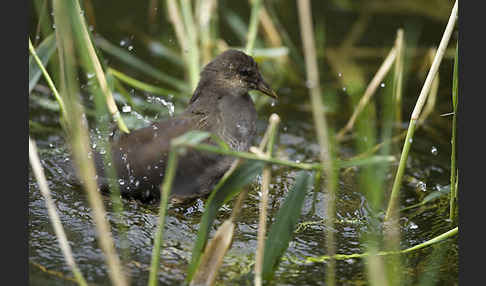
168	104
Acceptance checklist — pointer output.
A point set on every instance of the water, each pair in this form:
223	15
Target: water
427	171
182	225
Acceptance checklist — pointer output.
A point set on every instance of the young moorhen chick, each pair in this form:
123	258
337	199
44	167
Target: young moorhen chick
220	104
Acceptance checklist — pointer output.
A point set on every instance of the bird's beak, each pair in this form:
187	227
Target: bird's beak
265	88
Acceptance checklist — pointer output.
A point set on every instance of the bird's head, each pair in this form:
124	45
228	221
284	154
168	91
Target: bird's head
235	70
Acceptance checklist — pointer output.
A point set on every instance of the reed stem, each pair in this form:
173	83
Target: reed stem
398	75
326	159
392	205
453	194
192	48
78	137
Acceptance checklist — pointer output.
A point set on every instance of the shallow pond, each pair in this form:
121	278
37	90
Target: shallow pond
428	170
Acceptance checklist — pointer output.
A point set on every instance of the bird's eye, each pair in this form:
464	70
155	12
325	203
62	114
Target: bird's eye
245	72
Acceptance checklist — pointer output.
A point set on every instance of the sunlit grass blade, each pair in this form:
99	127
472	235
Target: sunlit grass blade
224	191
140	65
282	229
165	191
53	88
44	51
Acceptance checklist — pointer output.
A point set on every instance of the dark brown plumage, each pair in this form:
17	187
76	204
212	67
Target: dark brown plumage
220	104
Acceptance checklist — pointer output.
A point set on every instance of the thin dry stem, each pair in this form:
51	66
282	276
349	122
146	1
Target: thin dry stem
53	216
435	64
370	90
266	177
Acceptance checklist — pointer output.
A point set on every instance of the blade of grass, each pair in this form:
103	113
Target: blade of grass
138	64
54	217
432	241
43	53
282	230
47	78
393	201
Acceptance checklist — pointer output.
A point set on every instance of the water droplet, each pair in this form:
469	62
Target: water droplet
123	43
382	84
410	140
412	225
422	186
434	150
121	182
126	108
344	88
340	74
90	75
130	48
